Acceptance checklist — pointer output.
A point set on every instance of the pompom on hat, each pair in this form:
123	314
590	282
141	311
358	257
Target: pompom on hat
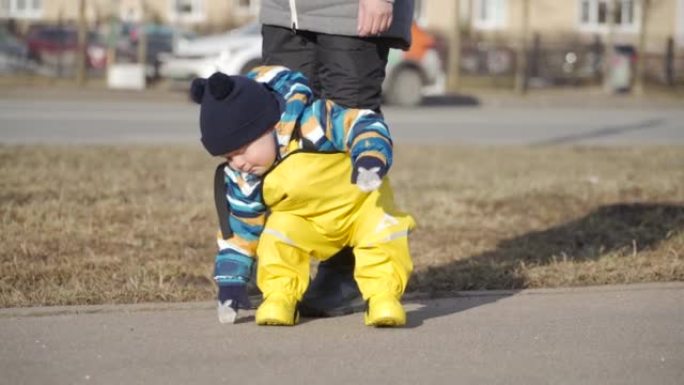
234	111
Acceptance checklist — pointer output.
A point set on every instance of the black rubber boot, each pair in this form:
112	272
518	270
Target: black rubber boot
333	291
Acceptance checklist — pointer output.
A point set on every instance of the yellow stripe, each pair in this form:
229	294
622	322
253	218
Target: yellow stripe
244	244
368	135
260	220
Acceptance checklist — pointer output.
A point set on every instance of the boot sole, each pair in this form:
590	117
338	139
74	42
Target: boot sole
277	322
274	321
385	322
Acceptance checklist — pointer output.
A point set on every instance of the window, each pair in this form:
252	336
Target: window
187	11
22	9
593	15
489	14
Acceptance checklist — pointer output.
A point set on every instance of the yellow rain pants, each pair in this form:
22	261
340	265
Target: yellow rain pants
315	212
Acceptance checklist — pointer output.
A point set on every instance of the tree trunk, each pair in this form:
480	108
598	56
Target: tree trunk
521	62
142	36
454	75
641	49
609	50
82	44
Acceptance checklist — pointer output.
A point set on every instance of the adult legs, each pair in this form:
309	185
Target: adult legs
295	51
352	70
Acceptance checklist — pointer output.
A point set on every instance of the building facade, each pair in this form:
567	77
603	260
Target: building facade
559	19
483	19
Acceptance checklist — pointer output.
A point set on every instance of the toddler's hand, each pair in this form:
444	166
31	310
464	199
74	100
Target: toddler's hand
231	298
368	180
232	272
368	172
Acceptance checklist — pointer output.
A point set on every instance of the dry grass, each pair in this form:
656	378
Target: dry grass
85	225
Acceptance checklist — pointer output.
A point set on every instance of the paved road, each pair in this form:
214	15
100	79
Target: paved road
98	121
602	335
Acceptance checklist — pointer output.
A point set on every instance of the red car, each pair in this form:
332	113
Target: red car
55	44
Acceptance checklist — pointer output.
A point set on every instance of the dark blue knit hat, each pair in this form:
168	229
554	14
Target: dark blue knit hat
235	111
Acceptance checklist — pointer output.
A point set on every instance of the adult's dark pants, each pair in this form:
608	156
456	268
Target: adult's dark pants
349	71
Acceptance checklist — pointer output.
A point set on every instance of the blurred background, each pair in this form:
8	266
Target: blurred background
618	46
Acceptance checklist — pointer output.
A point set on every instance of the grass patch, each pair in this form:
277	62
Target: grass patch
109	224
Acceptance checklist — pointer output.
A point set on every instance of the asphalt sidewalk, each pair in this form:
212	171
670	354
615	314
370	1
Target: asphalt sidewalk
631	334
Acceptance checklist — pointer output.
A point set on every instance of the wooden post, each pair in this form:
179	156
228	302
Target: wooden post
454	72
609	50
669	62
521	62
535	56
641	49
142	35
82	44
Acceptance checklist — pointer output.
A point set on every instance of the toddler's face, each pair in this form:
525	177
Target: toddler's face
256	157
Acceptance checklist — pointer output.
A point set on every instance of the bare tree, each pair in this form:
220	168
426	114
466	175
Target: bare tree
609	50
454	72
521	67
142	34
82	44
641	46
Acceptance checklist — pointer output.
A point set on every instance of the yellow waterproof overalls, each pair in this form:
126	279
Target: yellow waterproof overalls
315	212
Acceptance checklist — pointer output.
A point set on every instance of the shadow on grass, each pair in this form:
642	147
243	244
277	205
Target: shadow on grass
619	228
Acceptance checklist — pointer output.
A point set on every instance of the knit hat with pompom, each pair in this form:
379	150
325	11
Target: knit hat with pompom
234	111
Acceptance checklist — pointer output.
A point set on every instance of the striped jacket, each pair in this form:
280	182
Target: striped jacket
323	125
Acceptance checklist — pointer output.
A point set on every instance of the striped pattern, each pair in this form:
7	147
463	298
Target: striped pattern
328	126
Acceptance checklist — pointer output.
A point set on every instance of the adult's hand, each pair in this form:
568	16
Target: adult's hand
375	17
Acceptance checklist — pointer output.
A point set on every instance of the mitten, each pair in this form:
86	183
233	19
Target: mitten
368	172
232	272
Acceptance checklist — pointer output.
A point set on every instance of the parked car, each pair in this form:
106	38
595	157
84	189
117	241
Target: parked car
59	44
199	56
13	52
410	74
213	45
160	39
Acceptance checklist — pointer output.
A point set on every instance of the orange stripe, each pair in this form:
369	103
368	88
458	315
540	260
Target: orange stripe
349	118
328	129
309	126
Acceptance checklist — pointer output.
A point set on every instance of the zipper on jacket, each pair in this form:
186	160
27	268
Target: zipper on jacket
293	15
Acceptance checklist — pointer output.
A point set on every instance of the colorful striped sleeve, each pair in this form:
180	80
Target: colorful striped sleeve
286	82
247	212
358	132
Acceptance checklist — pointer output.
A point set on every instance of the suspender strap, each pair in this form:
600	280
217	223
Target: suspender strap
220	199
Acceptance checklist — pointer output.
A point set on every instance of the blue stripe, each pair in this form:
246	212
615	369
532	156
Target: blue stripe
244	230
373	144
